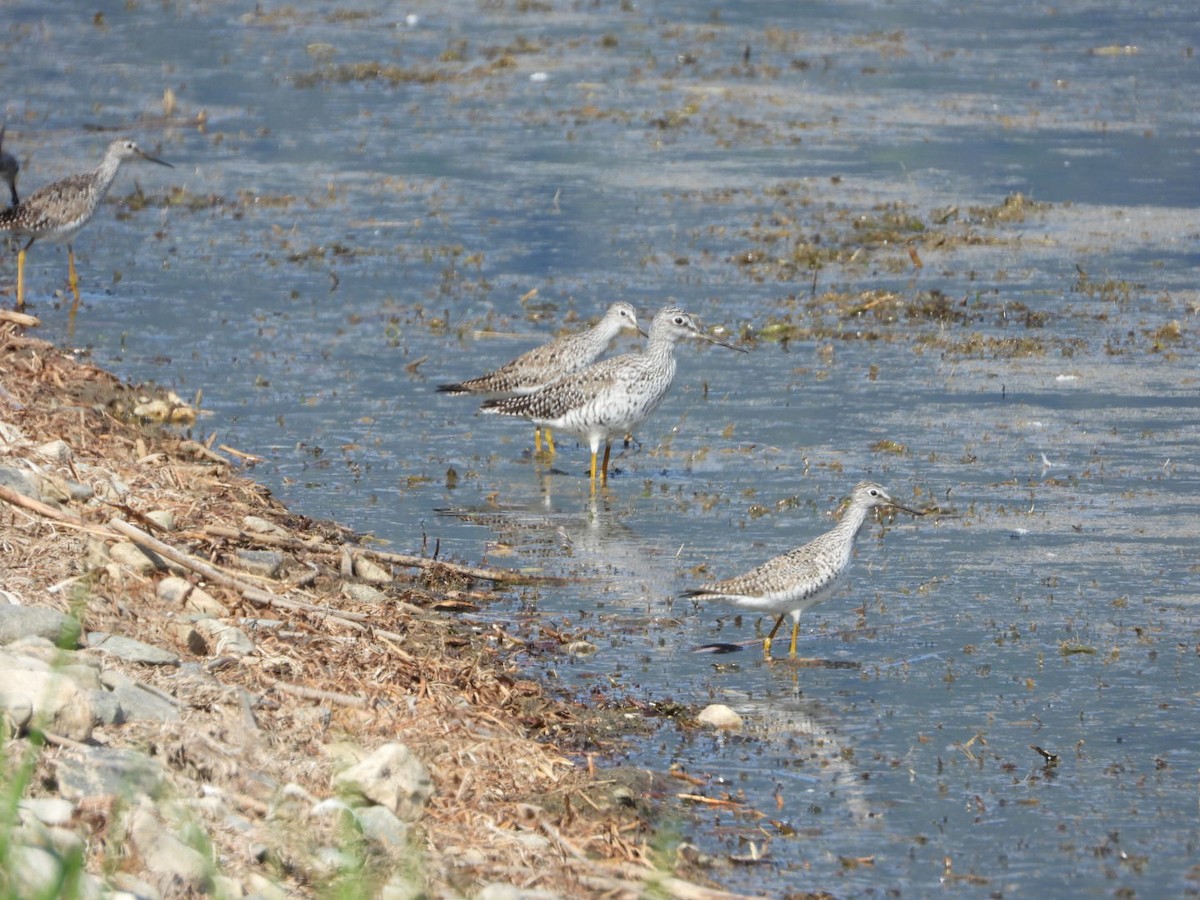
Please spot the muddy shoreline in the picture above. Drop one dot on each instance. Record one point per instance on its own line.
(290, 650)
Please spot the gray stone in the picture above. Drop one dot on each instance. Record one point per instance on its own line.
(363, 593)
(138, 703)
(24, 483)
(167, 856)
(267, 563)
(106, 709)
(57, 703)
(381, 827)
(130, 650)
(392, 777)
(79, 493)
(101, 771)
(25, 621)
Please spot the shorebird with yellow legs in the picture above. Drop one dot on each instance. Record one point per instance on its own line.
(613, 396)
(57, 211)
(801, 578)
(549, 362)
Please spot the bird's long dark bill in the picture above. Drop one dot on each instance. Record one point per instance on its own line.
(911, 512)
(720, 343)
(148, 158)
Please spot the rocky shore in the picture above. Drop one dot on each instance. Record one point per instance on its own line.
(202, 693)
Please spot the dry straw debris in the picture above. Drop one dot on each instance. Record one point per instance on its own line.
(337, 665)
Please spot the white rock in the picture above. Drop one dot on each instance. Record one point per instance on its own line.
(49, 810)
(718, 715)
(371, 571)
(163, 518)
(37, 871)
(224, 640)
(259, 525)
(392, 777)
(57, 450)
(58, 704)
(131, 556)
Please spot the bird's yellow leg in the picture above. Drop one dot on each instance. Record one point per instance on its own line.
(21, 278)
(72, 277)
(537, 440)
(770, 637)
(593, 471)
(604, 468)
(795, 631)
(550, 443)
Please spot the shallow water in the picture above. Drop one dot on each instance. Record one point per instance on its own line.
(345, 245)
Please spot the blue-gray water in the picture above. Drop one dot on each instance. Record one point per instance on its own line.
(351, 232)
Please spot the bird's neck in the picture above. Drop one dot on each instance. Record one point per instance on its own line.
(106, 172)
(853, 521)
(660, 349)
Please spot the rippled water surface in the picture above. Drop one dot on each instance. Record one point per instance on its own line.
(371, 200)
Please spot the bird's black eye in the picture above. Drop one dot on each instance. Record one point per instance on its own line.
(679, 320)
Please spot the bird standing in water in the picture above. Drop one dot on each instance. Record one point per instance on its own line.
(57, 211)
(801, 578)
(613, 396)
(544, 365)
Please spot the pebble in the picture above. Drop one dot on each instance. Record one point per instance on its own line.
(371, 571)
(267, 563)
(393, 777)
(129, 650)
(259, 525)
(718, 715)
(163, 518)
(363, 593)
